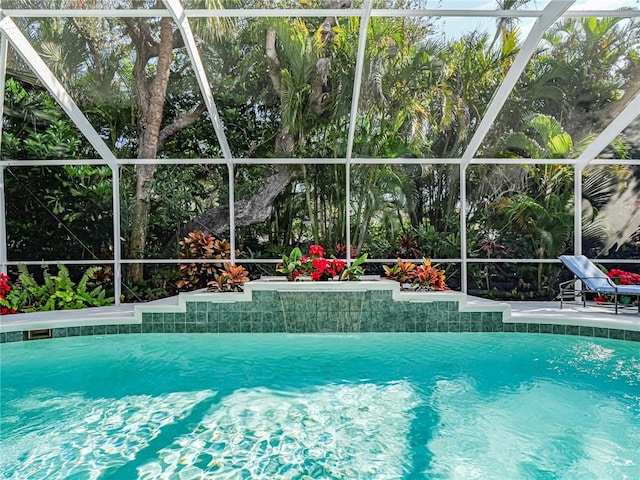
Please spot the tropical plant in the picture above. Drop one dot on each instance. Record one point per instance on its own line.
(545, 222)
(622, 277)
(291, 264)
(325, 269)
(354, 271)
(417, 277)
(230, 278)
(541, 213)
(429, 277)
(72, 203)
(317, 267)
(609, 218)
(197, 245)
(401, 271)
(619, 277)
(283, 88)
(542, 136)
(6, 306)
(57, 292)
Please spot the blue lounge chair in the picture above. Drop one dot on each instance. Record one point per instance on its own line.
(593, 280)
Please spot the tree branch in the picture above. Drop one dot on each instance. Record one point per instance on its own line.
(130, 27)
(158, 87)
(180, 123)
(249, 211)
(151, 45)
(272, 60)
(141, 44)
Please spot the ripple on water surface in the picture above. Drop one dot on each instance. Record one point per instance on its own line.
(371, 406)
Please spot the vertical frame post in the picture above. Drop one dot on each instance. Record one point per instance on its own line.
(4, 47)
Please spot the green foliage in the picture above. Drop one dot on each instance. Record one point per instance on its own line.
(36, 127)
(542, 136)
(424, 241)
(291, 264)
(72, 203)
(57, 292)
(422, 95)
(354, 271)
(160, 284)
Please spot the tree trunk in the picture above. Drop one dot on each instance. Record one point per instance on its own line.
(151, 97)
(139, 221)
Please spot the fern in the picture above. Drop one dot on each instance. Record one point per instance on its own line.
(88, 274)
(57, 292)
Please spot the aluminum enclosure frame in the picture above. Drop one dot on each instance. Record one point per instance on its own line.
(555, 9)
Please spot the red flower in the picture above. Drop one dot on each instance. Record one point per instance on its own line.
(622, 277)
(338, 265)
(320, 264)
(4, 284)
(599, 300)
(316, 251)
(316, 275)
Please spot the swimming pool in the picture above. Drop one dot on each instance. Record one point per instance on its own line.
(364, 406)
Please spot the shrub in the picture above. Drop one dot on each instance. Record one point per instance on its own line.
(197, 245)
(418, 277)
(230, 279)
(57, 292)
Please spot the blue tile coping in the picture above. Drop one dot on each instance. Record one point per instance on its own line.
(274, 305)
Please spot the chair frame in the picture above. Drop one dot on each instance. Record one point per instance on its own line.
(583, 291)
(612, 287)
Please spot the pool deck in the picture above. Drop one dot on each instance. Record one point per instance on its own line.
(572, 313)
(591, 315)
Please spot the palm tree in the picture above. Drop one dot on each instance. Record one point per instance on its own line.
(507, 25)
(544, 210)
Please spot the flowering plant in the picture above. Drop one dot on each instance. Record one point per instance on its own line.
(318, 267)
(5, 306)
(341, 251)
(621, 277)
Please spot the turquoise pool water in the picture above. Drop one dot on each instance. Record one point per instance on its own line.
(278, 406)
